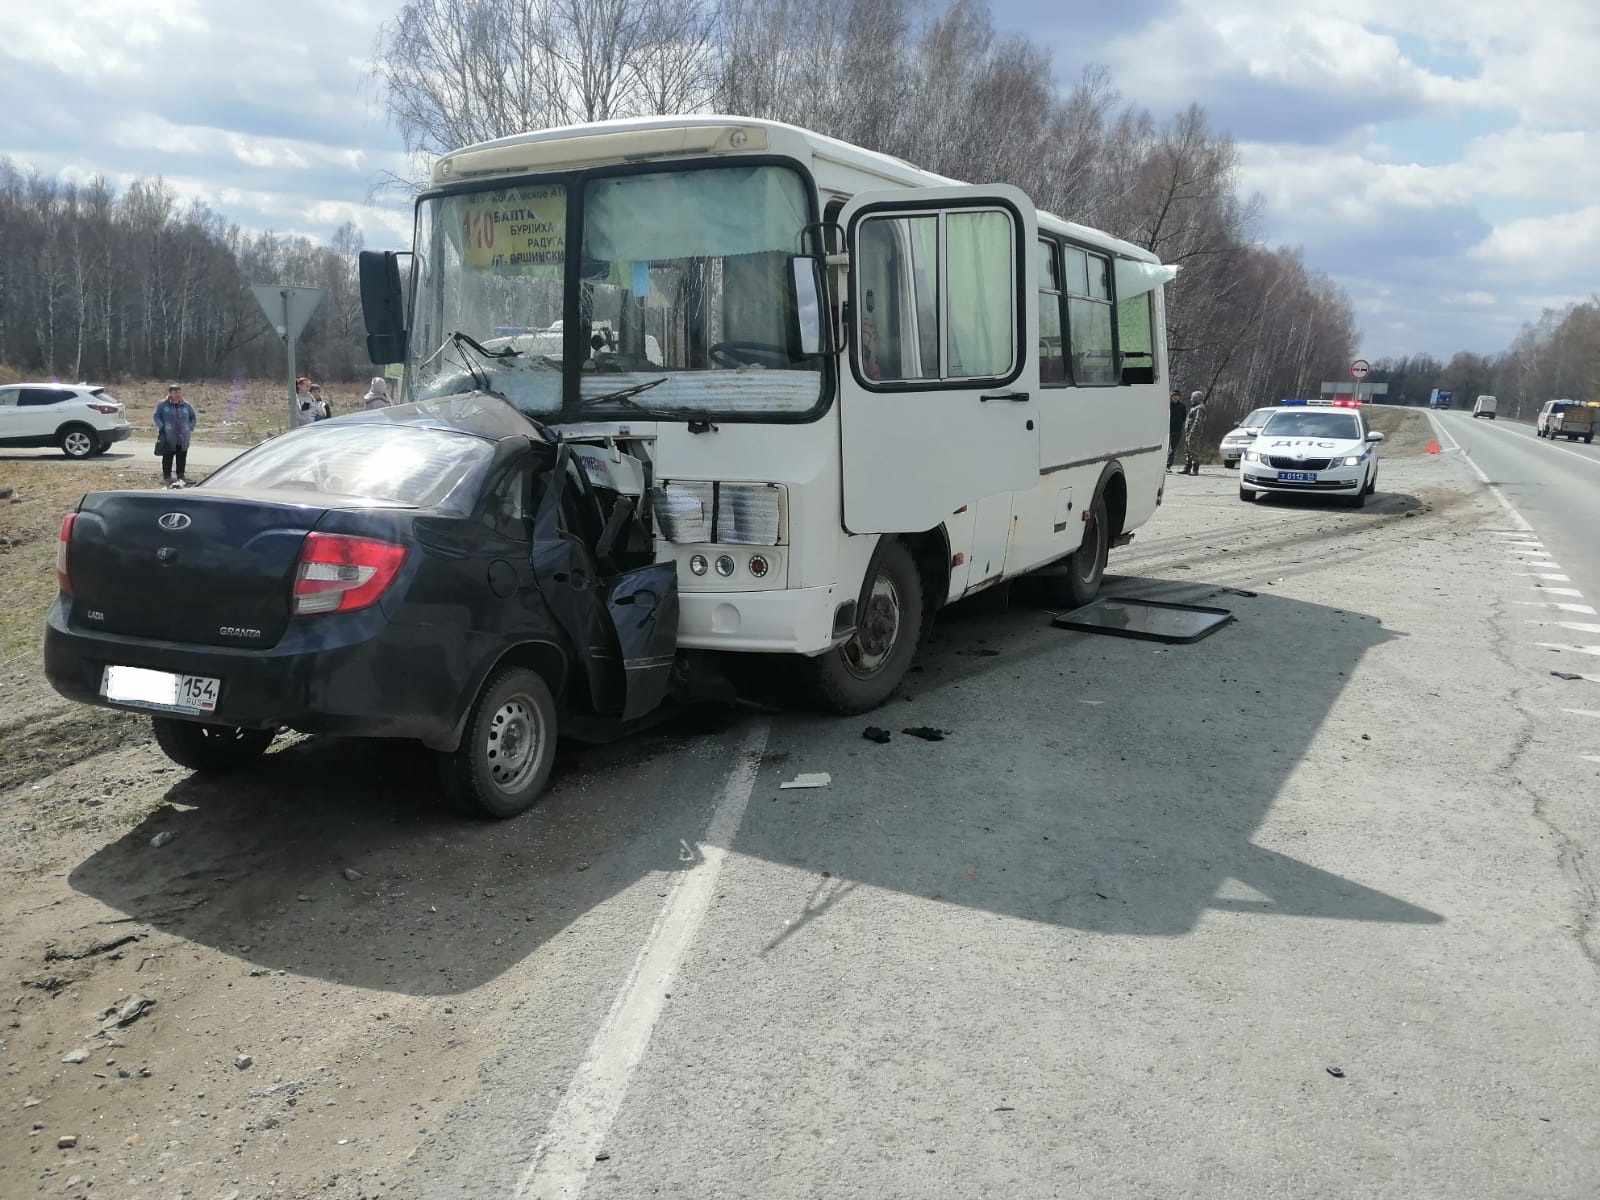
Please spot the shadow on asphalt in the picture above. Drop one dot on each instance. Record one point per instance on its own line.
(1134, 814)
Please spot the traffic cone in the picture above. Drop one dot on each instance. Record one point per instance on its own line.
(1433, 447)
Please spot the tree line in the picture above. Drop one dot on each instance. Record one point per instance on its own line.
(97, 286)
(1556, 357)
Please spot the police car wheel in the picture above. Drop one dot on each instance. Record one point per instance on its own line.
(1247, 495)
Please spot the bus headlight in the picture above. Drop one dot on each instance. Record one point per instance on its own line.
(748, 514)
(683, 511)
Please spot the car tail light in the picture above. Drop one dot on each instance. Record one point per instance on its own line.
(341, 574)
(63, 578)
(108, 409)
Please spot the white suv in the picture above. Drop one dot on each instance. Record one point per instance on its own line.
(81, 419)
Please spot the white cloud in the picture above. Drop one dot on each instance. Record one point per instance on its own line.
(1545, 249)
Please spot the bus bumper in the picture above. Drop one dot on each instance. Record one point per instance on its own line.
(788, 621)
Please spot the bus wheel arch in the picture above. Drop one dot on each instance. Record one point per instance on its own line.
(892, 616)
(1113, 489)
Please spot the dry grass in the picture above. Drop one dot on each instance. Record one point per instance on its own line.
(240, 413)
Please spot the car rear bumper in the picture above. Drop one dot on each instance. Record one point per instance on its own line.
(117, 433)
(378, 680)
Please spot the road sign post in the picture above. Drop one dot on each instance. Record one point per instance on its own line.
(288, 308)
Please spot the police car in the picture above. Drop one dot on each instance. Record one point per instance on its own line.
(1315, 447)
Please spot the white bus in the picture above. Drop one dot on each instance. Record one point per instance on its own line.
(859, 391)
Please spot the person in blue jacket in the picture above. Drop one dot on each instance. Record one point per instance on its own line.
(175, 421)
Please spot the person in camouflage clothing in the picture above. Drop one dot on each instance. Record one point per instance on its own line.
(1191, 433)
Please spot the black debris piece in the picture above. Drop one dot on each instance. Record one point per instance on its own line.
(1565, 675)
(927, 733)
(1336, 1072)
(873, 734)
(1150, 620)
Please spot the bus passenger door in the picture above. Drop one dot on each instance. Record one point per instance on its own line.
(939, 385)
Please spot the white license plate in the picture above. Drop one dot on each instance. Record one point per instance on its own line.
(161, 689)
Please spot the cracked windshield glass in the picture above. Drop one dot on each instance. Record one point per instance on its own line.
(683, 287)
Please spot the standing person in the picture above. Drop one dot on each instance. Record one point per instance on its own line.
(175, 422)
(319, 407)
(1177, 410)
(1191, 433)
(305, 410)
(377, 394)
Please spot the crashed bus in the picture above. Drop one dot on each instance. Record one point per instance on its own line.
(848, 391)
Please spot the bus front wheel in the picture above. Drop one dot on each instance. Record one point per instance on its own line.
(863, 673)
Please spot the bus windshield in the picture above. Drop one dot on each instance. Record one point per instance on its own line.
(682, 287)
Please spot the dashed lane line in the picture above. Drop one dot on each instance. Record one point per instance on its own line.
(1560, 606)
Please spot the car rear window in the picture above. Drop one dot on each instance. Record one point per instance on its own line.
(391, 464)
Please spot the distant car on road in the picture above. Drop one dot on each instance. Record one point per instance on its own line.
(1484, 406)
(1235, 441)
(81, 419)
(1315, 448)
(443, 571)
(1571, 419)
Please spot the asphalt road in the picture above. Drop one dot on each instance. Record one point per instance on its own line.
(1304, 909)
(1554, 484)
(202, 457)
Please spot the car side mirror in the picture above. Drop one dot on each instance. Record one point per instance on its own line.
(807, 337)
(383, 306)
(1374, 436)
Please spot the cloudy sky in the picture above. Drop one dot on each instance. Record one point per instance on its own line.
(1439, 158)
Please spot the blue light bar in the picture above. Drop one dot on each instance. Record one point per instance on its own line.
(1291, 401)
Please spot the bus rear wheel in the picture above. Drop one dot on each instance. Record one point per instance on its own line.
(861, 674)
(1085, 566)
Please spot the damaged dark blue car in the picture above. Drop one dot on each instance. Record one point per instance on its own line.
(448, 571)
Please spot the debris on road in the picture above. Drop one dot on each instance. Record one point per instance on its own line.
(75, 1056)
(816, 779)
(352, 874)
(120, 1018)
(66, 1141)
(873, 734)
(927, 733)
(244, 1062)
(1336, 1072)
(1565, 675)
(161, 839)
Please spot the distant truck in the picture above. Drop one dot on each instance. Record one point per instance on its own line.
(1440, 398)
(1571, 419)
(1484, 406)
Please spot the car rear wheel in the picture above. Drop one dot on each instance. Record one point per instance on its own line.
(863, 673)
(79, 441)
(212, 748)
(509, 746)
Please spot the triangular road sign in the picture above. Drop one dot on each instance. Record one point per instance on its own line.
(288, 308)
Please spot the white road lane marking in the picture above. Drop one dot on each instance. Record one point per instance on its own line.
(1509, 432)
(1575, 626)
(1590, 757)
(1518, 521)
(1552, 578)
(1583, 712)
(577, 1131)
(1559, 605)
(1595, 650)
(1550, 591)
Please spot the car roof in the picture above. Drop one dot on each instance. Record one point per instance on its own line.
(474, 413)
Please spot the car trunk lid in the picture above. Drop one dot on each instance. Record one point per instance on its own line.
(185, 566)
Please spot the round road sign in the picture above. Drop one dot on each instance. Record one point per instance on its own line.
(1360, 369)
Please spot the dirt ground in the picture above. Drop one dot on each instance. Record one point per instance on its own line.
(265, 985)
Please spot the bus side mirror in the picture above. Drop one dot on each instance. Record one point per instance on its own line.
(806, 334)
(383, 306)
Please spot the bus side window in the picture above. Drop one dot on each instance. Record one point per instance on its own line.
(1136, 343)
(1089, 318)
(1052, 354)
(897, 293)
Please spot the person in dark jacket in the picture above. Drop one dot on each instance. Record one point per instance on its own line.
(1177, 410)
(175, 420)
